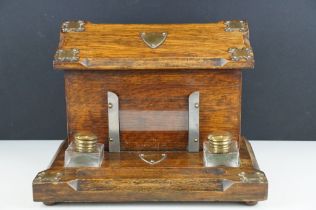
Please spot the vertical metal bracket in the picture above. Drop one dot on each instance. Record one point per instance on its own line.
(113, 122)
(194, 122)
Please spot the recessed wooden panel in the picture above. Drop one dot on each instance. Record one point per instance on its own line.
(153, 91)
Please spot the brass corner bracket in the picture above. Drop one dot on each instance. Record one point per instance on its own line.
(255, 177)
(73, 26)
(153, 39)
(48, 177)
(240, 54)
(236, 25)
(67, 55)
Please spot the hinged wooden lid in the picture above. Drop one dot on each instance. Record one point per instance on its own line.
(221, 45)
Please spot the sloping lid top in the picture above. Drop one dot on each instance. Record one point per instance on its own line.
(221, 45)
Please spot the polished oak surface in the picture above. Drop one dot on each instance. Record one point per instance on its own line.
(150, 95)
(153, 88)
(125, 177)
(187, 46)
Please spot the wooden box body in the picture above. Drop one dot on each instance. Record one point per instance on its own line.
(153, 84)
(148, 95)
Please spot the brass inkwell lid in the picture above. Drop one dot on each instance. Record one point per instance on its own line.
(85, 142)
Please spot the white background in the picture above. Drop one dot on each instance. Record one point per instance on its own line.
(289, 165)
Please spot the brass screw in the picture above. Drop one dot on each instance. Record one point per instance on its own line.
(85, 142)
(110, 105)
(220, 142)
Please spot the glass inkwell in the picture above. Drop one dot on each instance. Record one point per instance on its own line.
(220, 150)
(84, 151)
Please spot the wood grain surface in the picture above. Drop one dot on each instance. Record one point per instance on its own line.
(187, 46)
(124, 177)
(146, 91)
(154, 115)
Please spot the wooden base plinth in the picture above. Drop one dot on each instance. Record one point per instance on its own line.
(125, 177)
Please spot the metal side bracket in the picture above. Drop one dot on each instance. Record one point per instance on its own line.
(113, 122)
(194, 124)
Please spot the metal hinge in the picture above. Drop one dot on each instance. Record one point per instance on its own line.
(73, 26)
(67, 55)
(236, 25)
(240, 54)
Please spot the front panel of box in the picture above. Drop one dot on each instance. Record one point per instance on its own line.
(153, 105)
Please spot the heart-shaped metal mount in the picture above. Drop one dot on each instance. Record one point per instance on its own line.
(153, 39)
(152, 159)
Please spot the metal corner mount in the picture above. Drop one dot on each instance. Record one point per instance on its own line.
(240, 54)
(236, 25)
(153, 39)
(194, 122)
(67, 55)
(73, 26)
(48, 176)
(113, 122)
(255, 177)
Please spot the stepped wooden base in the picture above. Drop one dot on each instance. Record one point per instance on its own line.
(125, 177)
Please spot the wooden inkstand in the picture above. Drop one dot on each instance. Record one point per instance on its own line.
(153, 114)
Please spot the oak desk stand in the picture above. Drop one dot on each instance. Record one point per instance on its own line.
(153, 95)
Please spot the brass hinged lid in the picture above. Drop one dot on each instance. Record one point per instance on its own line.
(221, 45)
